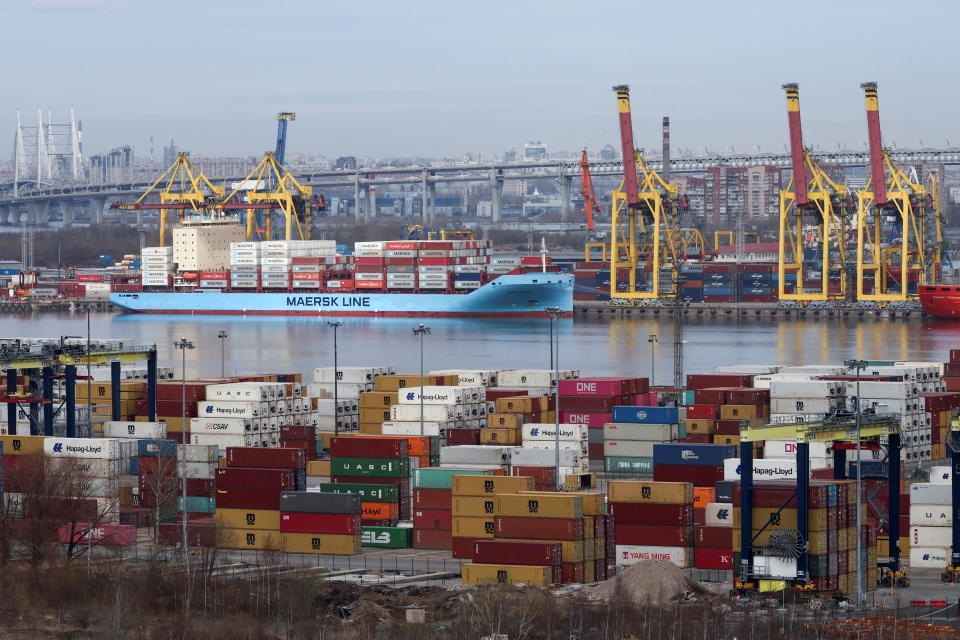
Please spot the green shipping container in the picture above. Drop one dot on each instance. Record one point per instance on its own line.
(442, 478)
(372, 467)
(619, 464)
(370, 492)
(386, 537)
(879, 363)
(686, 397)
(197, 504)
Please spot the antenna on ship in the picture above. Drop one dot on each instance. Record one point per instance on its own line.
(543, 253)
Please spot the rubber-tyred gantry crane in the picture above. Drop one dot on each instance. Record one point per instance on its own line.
(648, 206)
(811, 197)
(898, 224)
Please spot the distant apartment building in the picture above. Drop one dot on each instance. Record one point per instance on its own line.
(217, 168)
(346, 163)
(535, 150)
(116, 165)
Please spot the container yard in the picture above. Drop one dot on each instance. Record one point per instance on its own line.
(540, 477)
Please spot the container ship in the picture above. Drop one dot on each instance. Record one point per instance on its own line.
(210, 271)
(941, 301)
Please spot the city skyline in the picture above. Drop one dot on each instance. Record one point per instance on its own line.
(436, 81)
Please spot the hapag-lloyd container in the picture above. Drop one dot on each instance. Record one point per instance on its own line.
(763, 469)
(548, 431)
(929, 557)
(228, 409)
(84, 447)
(928, 493)
(718, 514)
(711, 455)
(645, 415)
(627, 554)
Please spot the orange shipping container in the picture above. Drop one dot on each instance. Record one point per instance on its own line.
(702, 496)
(380, 511)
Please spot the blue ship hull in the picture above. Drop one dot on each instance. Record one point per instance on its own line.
(515, 295)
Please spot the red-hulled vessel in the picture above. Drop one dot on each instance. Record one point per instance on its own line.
(941, 300)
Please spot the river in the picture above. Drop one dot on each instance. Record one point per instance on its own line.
(595, 346)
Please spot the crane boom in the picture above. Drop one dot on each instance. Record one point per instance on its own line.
(626, 142)
(282, 119)
(796, 144)
(876, 143)
(589, 195)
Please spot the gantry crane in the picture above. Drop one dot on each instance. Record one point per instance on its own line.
(282, 119)
(270, 186)
(648, 206)
(182, 188)
(595, 240)
(811, 197)
(898, 224)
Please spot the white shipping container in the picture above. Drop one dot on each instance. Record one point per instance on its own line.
(628, 554)
(940, 475)
(343, 389)
(931, 515)
(525, 378)
(431, 412)
(529, 457)
(432, 395)
(931, 536)
(244, 391)
(806, 388)
(227, 409)
(224, 440)
(805, 405)
(535, 431)
(718, 514)
(433, 429)
(773, 567)
(929, 557)
(470, 378)
(884, 390)
(353, 375)
(628, 448)
(198, 453)
(628, 431)
(140, 430)
(928, 493)
(97, 467)
(232, 426)
(82, 447)
(579, 446)
(763, 469)
(479, 454)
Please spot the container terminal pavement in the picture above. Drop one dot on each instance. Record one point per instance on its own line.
(533, 476)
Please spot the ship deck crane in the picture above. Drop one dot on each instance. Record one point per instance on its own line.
(183, 188)
(899, 235)
(648, 206)
(811, 197)
(270, 186)
(595, 240)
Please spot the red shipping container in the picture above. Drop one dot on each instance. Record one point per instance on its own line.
(771, 495)
(954, 355)
(89, 277)
(457, 437)
(591, 419)
(298, 432)
(433, 519)
(699, 476)
(264, 458)
(368, 262)
(538, 528)
(572, 572)
(114, 535)
(432, 498)
(655, 535)
(952, 383)
(462, 548)
(748, 396)
(595, 451)
(697, 438)
(604, 387)
(332, 523)
(434, 262)
(151, 464)
(347, 447)
(590, 404)
(432, 539)
(248, 499)
(269, 479)
(639, 513)
(495, 393)
(199, 487)
(545, 478)
(710, 396)
(699, 515)
(540, 554)
(729, 427)
(709, 380)
(199, 535)
(703, 412)
(713, 558)
(715, 537)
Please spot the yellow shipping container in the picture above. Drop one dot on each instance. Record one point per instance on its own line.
(328, 544)
(700, 426)
(517, 404)
(589, 572)
(371, 427)
(318, 468)
(21, 445)
(579, 481)
(589, 528)
(599, 548)
(487, 485)
(542, 505)
(103, 390)
(475, 574)
(650, 492)
(399, 381)
(499, 436)
(249, 539)
(740, 412)
(474, 506)
(260, 519)
(774, 517)
(325, 439)
(507, 420)
(593, 501)
(378, 399)
(726, 439)
(939, 451)
(464, 527)
(378, 415)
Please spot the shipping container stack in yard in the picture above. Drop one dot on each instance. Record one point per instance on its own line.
(629, 437)
(433, 504)
(375, 461)
(654, 521)
(590, 401)
(474, 502)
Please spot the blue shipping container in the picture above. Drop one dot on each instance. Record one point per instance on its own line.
(646, 415)
(157, 448)
(694, 455)
(716, 291)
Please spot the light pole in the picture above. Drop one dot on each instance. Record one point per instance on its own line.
(653, 340)
(183, 344)
(336, 377)
(858, 366)
(421, 331)
(555, 365)
(222, 336)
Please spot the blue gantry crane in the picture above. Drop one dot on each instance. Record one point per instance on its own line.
(282, 119)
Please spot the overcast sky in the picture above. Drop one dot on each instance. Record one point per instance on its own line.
(443, 78)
